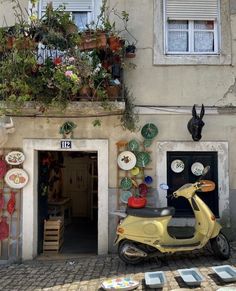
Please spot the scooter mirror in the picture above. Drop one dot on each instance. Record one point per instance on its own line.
(164, 186)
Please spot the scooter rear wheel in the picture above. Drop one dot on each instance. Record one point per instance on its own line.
(125, 258)
(220, 246)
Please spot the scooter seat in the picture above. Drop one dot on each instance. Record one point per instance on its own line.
(151, 212)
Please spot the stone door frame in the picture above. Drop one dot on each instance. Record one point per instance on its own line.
(30, 192)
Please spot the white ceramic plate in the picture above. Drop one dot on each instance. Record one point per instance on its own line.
(15, 158)
(126, 160)
(16, 178)
(197, 169)
(177, 166)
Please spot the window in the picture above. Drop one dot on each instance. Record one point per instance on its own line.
(191, 27)
(191, 36)
(83, 12)
(188, 32)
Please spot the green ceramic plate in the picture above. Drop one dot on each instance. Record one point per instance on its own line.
(126, 183)
(143, 159)
(149, 131)
(147, 143)
(133, 145)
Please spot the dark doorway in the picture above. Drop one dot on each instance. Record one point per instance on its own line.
(68, 188)
(176, 180)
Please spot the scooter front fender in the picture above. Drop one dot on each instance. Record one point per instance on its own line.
(216, 229)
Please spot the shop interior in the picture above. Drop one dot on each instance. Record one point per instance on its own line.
(68, 191)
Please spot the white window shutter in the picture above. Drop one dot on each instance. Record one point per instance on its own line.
(191, 9)
(70, 5)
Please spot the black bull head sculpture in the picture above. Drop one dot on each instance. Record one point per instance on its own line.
(196, 124)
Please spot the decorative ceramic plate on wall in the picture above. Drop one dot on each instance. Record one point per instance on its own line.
(125, 196)
(149, 131)
(15, 158)
(126, 183)
(177, 166)
(16, 178)
(126, 160)
(143, 158)
(197, 169)
(133, 145)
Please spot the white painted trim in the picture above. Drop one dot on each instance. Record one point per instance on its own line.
(223, 174)
(30, 193)
(179, 110)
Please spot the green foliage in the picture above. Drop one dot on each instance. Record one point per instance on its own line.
(129, 120)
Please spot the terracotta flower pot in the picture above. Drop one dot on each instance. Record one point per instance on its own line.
(92, 40)
(115, 43)
(113, 91)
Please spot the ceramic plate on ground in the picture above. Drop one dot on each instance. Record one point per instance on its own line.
(177, 166)
(15, 158)
(143, 158)
(120, 284)
(126, 160)
(126, 183)
(197, 169)
(225, 272)
(125, 196)
(149, 131)
(16, 178)
(133, 145)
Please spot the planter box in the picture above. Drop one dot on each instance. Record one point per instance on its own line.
(92, 40)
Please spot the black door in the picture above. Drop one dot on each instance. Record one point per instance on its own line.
(176, 180)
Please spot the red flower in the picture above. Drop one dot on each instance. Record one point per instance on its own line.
(57, 61)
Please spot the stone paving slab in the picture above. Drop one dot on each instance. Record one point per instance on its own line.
(86, 273)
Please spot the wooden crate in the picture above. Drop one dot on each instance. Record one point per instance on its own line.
(53, 235)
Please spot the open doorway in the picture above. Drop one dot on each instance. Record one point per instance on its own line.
(68, 188)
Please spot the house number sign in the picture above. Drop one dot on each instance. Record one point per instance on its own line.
(66, 144)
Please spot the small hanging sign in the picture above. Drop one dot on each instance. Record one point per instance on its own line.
(66, 144)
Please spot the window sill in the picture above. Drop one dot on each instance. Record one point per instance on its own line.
(161, 59)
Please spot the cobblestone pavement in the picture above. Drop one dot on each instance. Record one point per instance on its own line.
(86, 273)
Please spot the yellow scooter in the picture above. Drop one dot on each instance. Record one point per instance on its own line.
(143, 233)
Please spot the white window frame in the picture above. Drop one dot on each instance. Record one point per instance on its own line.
(191, 31)
(224, 56)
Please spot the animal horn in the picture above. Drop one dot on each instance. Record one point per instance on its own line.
(202, 112)
(194, 113)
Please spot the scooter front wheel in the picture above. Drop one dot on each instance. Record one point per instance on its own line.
(220, 246)
(122, 252)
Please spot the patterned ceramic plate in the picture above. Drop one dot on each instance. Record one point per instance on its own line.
(177, 166)
(126, 183)
(120, 284)
(197, 169)
(16, 178)
(133, 145)
(149, 131)
(143, 158)
(15, 158)
(126, 160)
